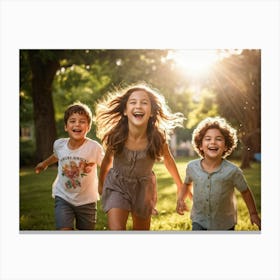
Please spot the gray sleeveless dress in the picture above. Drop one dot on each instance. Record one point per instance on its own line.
(131, 184)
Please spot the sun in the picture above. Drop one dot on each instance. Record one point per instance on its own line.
(194, 62)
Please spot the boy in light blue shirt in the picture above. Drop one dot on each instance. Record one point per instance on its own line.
(211, 180)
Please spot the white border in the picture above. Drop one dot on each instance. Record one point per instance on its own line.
(139, 24)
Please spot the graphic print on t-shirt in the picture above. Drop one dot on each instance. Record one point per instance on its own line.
(74, 169)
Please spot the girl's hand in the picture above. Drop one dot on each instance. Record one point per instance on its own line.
(255, 219)
(181, 207)
(100, 188)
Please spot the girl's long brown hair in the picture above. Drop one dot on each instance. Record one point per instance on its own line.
(112, 125)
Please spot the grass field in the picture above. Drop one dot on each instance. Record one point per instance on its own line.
(37, 205)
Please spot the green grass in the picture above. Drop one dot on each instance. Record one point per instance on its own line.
(37, 205)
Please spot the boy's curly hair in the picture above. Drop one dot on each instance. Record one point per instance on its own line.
(225, 128)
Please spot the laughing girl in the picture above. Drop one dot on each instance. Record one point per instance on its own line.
(134, 125)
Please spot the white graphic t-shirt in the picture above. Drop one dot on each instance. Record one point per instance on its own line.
(77, 180)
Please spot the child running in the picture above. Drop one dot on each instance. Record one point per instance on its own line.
(214, 178)
(76, 186)
(134, 124)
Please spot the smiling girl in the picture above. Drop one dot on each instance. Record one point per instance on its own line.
(134, 124)
(213, 179)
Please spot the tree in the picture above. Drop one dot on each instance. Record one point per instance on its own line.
(233, 91)
(68, 75)
(39, 68)
(238, 87)
(43, 67)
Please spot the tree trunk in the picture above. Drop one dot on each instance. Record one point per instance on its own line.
(246, 157)
(43, 72)
(252, 145)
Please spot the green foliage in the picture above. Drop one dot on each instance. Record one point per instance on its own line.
(27, 150)
(37, 206)
(86, 75)
(205, 106)
(183, 134)
(103, 70)
(238, 91)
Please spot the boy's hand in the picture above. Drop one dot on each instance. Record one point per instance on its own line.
(181, 207)
(40, 167)
(88, 167)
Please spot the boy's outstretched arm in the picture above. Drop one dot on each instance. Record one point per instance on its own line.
(105, 166)
(250, 203)
(45, 163)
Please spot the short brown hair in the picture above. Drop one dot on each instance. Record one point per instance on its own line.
(79, 108)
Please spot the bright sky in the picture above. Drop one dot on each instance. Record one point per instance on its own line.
(195, 62)
(198, 62)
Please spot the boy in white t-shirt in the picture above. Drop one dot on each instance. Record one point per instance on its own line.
(75, 187)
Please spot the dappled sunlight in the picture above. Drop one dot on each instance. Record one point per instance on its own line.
(36, 204)
(25, 172)
(169, 191)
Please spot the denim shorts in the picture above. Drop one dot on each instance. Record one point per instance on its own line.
(196, 226)
(81, 217)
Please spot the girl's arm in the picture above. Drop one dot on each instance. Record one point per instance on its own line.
(186, 191)
(250, 203)
(45, 163)
(105, 167)
(171, 167)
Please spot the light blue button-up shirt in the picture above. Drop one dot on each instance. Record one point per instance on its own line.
(214, 201)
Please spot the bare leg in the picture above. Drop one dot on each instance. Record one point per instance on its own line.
(117, 219)
(140, 223)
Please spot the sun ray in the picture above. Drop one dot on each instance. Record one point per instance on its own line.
(195, 62)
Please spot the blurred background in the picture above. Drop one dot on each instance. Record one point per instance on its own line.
(198, 83)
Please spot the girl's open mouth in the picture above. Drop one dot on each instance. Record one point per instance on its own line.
(138, 115)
